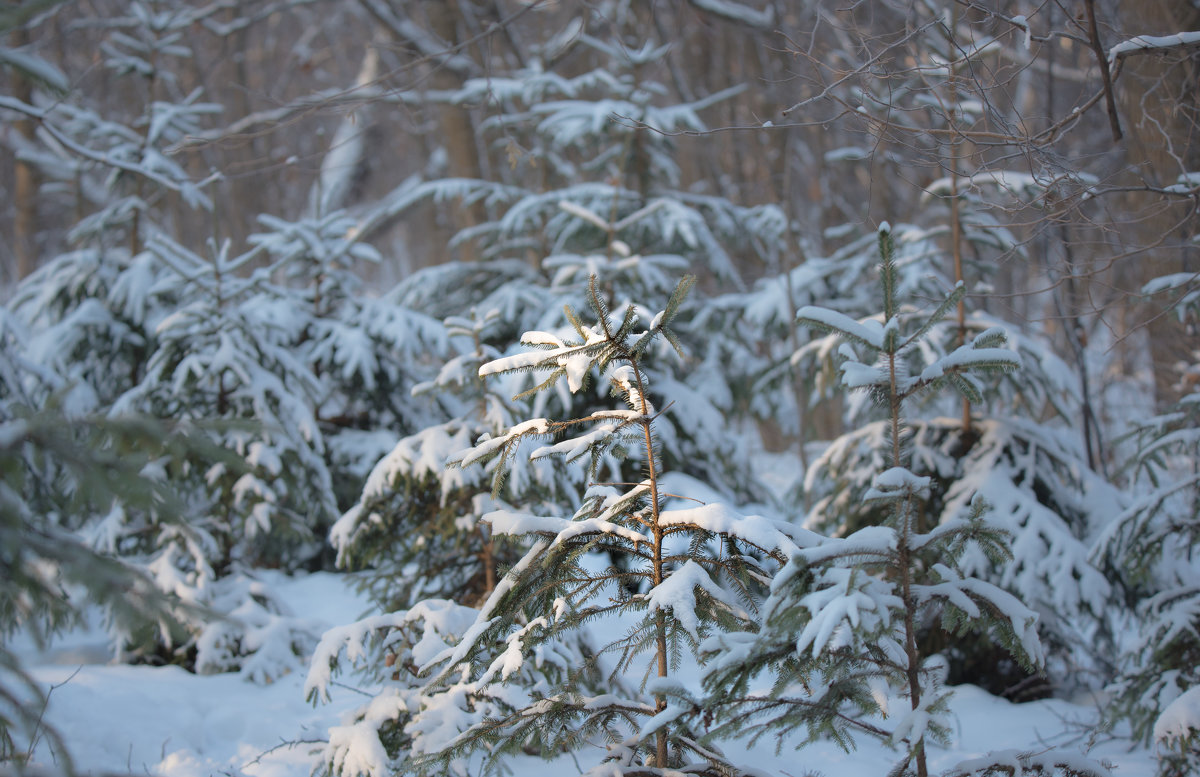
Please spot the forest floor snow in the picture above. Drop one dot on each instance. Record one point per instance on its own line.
(166, 721)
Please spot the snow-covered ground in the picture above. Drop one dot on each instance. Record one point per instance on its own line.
(166, 721)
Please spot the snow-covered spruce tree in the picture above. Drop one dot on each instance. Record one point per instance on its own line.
(637, 240)
(686, 572)
(1027, 464)
(365, 352)
(222, 362)
(1041, 493)
(1033, 450)
(839, 642)
(1022, 450)
(426, 558)
(1150, 551)
(1020, 453)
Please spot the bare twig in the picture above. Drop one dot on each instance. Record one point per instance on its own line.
(38, 729)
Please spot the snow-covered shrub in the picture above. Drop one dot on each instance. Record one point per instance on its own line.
(256, 634)
(197, 342)
(262, 495)
(366, 353)
(90, 317)
(222, 359)
(1041, 492)
(1150, 550)
(839, 640)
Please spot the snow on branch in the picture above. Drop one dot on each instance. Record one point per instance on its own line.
(1142, 44)
(967, 357)
(574, 360)
(968, 593)
(677, 594)
(485, 448)
(1180, 719)
(763, 533)
(736, 12)
(850, 598)
(868, 332)
(433, 621)
(512, 523)
(36, 69)
(1013, 762)
(189, 190)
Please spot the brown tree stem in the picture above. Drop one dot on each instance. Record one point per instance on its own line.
(1114, 121)
(660, 625)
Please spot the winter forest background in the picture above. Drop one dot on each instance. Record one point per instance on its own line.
(679, 387)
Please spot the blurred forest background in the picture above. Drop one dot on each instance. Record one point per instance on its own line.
(335, 105)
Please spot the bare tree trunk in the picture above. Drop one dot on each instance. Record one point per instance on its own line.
(243, 190)
(25, 177)
(954, 155)
(456, 128)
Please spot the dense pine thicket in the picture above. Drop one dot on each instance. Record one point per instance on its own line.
(662, 434)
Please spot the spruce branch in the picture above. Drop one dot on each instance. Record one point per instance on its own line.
(951, 301)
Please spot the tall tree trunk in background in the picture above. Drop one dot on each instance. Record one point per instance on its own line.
(25, 179)
(234, 213)
(1159, 98)
(456, 128)
(432, 34)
